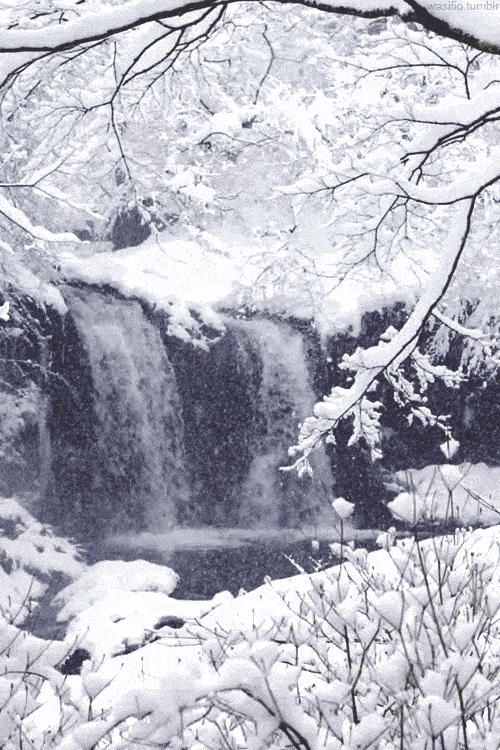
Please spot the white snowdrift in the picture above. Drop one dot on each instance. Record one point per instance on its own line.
(176, 277)
(113, 577)
(463, 494)
(31, 553)
(209, 273)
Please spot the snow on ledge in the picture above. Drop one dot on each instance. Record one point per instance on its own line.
(184, 276)
(177, 277)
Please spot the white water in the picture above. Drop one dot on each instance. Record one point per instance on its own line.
(140, 442)
(270, 497)
(139, 471)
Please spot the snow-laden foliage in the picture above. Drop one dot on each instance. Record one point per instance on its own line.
(396, 647)
(345, 154)
(464, 494)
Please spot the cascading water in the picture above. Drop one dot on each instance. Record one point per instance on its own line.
(268, 496)
(165, 450)
(172, 435)
(138, 456)
(150, 445)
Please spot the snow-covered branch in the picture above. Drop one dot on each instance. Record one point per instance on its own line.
(474, 24)
(370, 364)
(454, 325)
(480, 29)
(19, 218)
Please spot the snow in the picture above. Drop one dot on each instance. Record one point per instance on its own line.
(159, 270)
(121, 621)
(19, 218)
(4, 311)
(343, 508)
(90, 26)
(113, 577)
(233, 643)
(453, 111)
(435, 714)
(173, 276)
(449, 448)
(267, 642)
(25, 281)
(479, 20)
(211, 272)
(30, 555)
(471, 182)
(157, 678)
(407, 507)
(114, 606)
(273, 599)
(96, 25)
(33, 545)
(464, 493)
(369, 364)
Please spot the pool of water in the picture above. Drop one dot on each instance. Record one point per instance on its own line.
(209, 560)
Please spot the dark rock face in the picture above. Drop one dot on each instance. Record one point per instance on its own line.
(129, 229)
(134, 224)
(218, 389)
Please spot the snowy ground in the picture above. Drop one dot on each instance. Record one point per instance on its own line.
(117, 622)
(147, 649)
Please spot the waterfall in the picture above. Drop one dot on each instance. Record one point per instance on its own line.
(151, 433)
(268, 496)
(138, 456)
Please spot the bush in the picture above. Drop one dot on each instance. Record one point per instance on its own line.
(397, 648)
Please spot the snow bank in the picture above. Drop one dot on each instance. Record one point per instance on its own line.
(24, 281)
(27, 542)
(113, 577)
(177, 276)
(123, 621)
(30, 553)
(210, 272)
(467, 494)
(116, 606)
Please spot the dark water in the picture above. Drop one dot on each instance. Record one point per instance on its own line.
(212, 560)
(208, 561)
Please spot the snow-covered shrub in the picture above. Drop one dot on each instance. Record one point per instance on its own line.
(395, 648)
(29, 555)
(459, 494)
